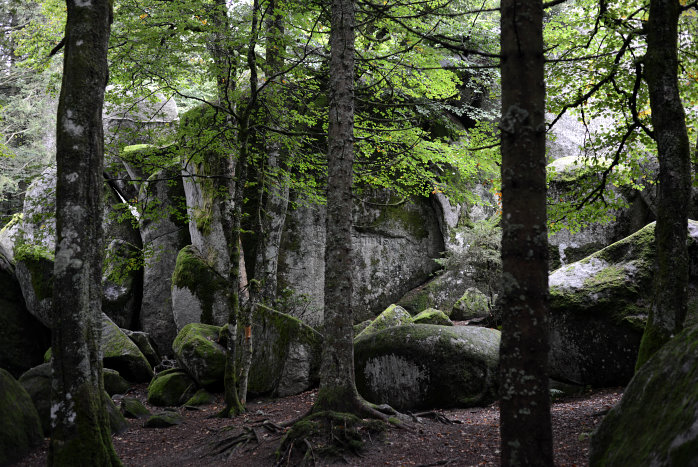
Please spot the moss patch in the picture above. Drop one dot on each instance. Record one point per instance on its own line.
(20, 429)
(171, 389)
(194, 273)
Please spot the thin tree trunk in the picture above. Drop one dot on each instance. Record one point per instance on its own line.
(525, 400)
(337, 385)
(669, 306)
(81, 434)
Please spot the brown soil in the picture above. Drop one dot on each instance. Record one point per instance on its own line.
(472, 438)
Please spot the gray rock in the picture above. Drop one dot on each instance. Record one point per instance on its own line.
(34, 270)
(20, 429)
(38, 214)
(9, 234)
(199, 293)
(432, 316)
(164, 233)
(121, 286)
(23, 339)
(442, 292)
(121, 354)
(599, 306)
(286, 354)
(655, 421)
(428, 366)
(133, 408)
(37, 383)
(143, 342)
(114, 383)
(394, 244)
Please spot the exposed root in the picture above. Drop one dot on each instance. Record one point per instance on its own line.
(242, 437)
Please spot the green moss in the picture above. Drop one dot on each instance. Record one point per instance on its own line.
(394, 315)
(404, 215)
(39, 262)
(20, 429)
(197, 349)
(133, 408)
(432, 316)
(194, 273)
(170, 389)
(201, 397)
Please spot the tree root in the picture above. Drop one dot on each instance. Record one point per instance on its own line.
(224, 448)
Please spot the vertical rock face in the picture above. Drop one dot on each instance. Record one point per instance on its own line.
(164, 231)
(395, 243)
(23, 339)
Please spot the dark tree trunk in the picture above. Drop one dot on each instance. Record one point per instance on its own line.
(525, 400)
(673, 149)
(81, 434)
(337, 385)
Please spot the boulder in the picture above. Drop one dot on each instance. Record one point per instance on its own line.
(122, 283)
(432, 316)
(165, 233)
(121, 354)
(394, 315)
(199, 293)
(599, 306)
(23, 339)
(37, 383)
(114, 383)
(34, 268)
(9, 234)
(441, 292)
(198, 352)
(133, 408)
(471, 305)
(200, 397)
(655, 421)
(163, 420)
(38, 214)
(428, 366)
(394, 244)
(286, 354)
(142, 340)
(171, 388)
(20, 430)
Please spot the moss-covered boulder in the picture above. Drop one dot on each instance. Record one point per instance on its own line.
(394, 315)
(114, 383)
(598, 309)
(133, 408)
(121, 354)
(471, 305)
(655, 421)
(428, 366)
(37, 383)
(171, 388)
(286, 354)
(23, 339)
(20, 429)
(432, 316)
(201, 397)
(198, 352)
(145, 344)
(198, 291)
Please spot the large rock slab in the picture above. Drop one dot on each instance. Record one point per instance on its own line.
(655, 421)
(599, 306)
(34, 268)
(428, 366)
(395, 242)
(20, 429)
(23, 339)
(199, 292)
(285, 356)
(121, 354)
(164, 230)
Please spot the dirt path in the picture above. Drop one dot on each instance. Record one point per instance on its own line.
(472, 440)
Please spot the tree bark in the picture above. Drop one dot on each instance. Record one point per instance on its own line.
(525, 399)
(81, 434)
(669, 306)
(337, 384)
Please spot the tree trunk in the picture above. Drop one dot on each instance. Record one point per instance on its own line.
(337, 385)
(81, 434)
(525, 399)
(669, 306)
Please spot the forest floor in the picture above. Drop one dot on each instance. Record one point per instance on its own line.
(472, 437)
